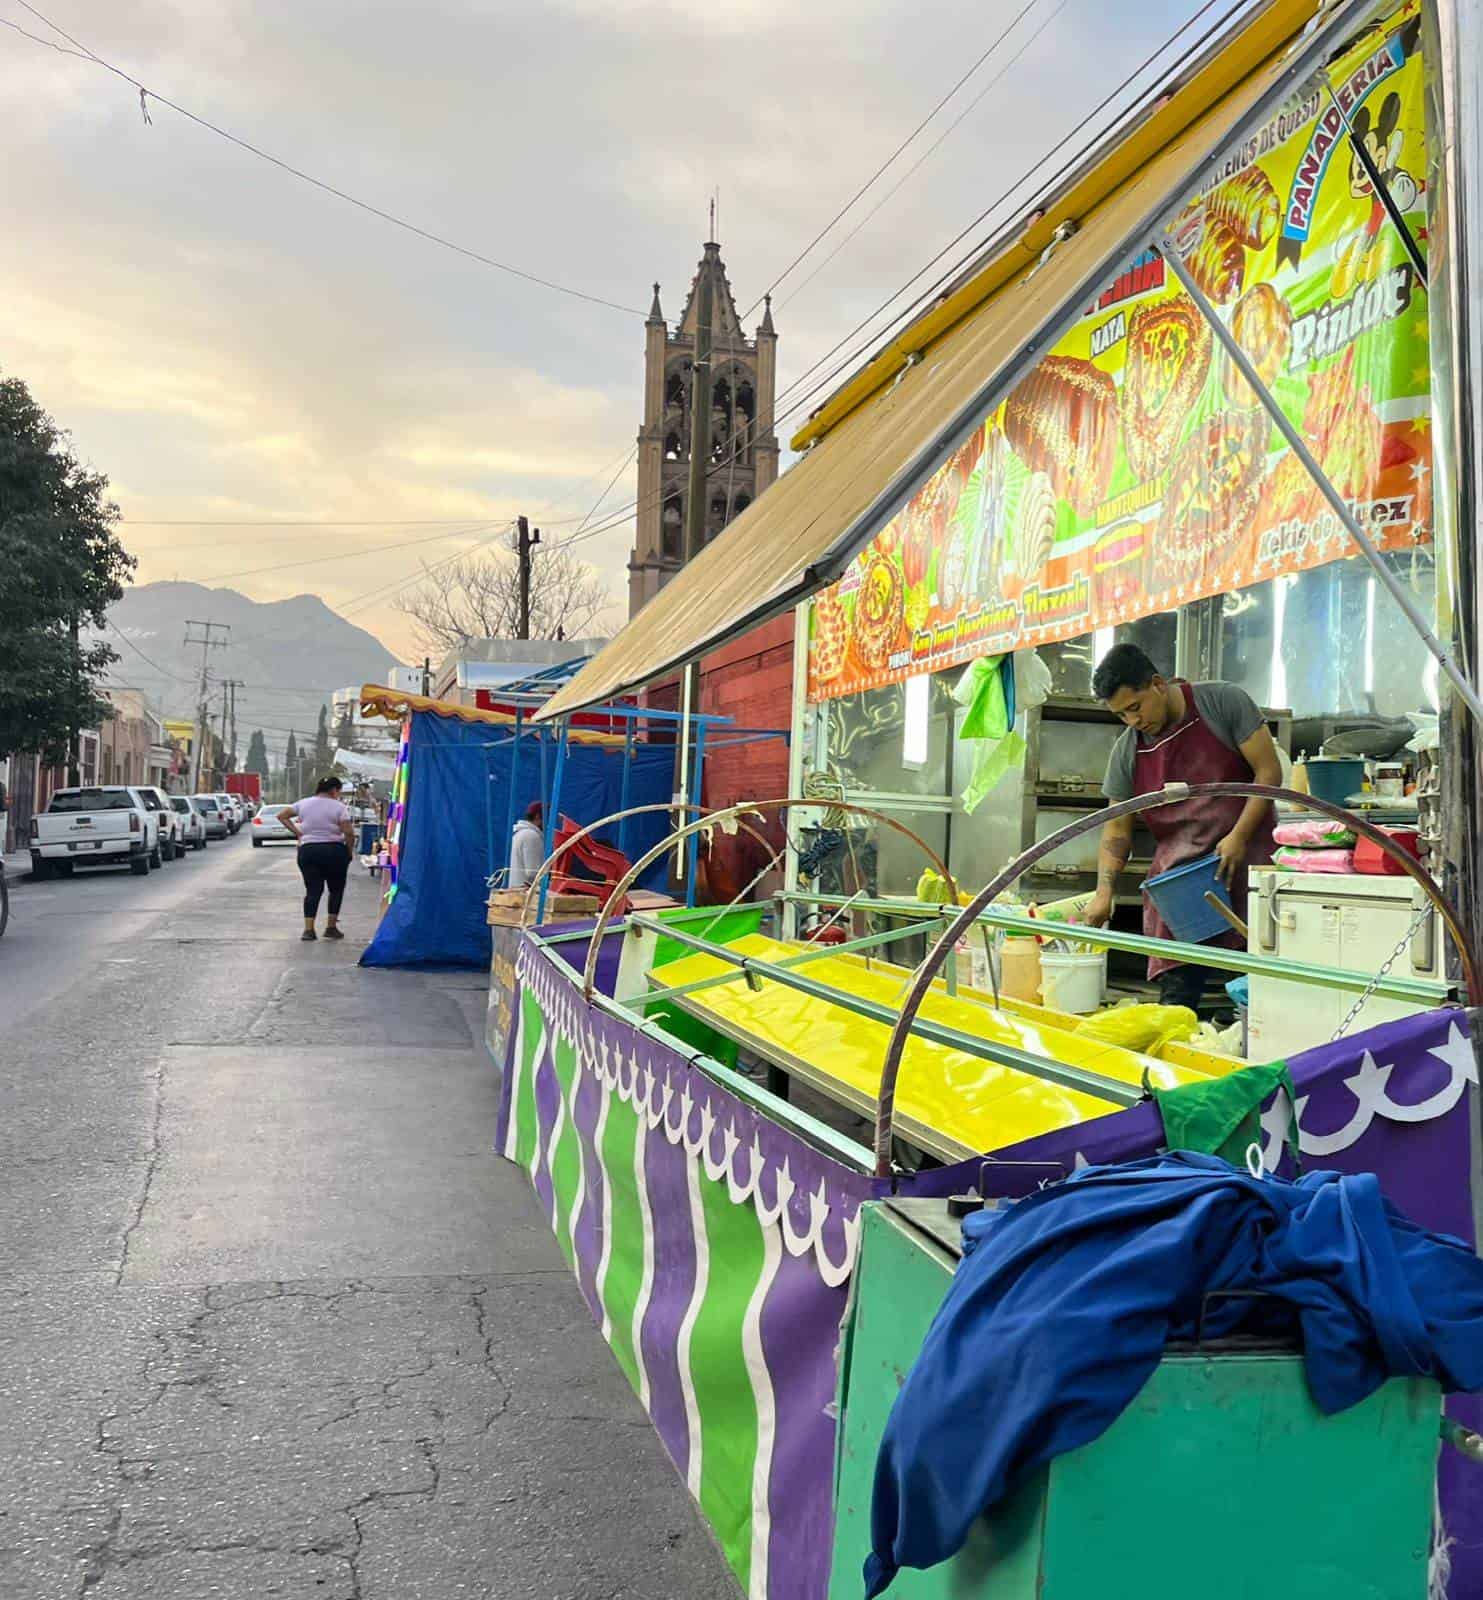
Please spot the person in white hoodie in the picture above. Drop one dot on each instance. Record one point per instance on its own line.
(527, 846)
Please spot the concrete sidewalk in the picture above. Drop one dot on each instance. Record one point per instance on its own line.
(278, 1322)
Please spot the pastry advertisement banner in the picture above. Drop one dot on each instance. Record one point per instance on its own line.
(1132, 471)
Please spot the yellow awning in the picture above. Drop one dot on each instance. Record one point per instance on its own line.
(886, 431)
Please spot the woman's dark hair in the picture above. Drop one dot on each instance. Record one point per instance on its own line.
(1124, 666)
(329, 785)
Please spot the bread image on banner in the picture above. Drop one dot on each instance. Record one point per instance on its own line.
(879, 614)
(1062, 421)
(1212, 492)
(1168, 357)
(1262, 325)
(1248, 206)
(1117, 567)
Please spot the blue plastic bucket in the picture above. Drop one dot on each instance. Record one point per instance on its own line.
(1179, 897)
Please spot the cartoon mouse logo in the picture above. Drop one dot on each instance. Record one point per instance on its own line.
(1365, 256)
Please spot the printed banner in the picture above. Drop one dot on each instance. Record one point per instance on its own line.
(1133, 471)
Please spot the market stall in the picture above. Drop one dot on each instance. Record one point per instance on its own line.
(1213, 399)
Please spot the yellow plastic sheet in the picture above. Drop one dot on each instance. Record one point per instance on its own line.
(967, 1102)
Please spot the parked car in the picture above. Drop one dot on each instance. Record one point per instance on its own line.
(266, 827)
(96, 826)
(192, 822)
(231, 809)
(212, 815)
(159, 802)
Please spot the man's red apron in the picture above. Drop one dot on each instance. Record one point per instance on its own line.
(1187, 829)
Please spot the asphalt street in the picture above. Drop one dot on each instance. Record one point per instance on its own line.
(276, 1321)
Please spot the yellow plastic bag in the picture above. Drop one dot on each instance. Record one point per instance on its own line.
(1142, 1027)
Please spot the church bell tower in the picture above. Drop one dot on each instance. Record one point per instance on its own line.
(744, 448)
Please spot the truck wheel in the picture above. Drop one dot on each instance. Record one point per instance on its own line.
(202, 842)
(154, 857)
(40, 869)
(257, 844)
(139, 866)
(63, 869)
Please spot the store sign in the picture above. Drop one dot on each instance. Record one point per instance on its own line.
(1132, 471)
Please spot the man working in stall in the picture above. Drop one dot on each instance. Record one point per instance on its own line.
(1180, 732)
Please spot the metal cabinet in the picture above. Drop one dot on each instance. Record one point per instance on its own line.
(1222, 1453)
(1353, 921)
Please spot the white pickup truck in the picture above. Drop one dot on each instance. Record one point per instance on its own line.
(95, 827)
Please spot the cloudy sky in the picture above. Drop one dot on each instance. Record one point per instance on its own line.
(230, 344)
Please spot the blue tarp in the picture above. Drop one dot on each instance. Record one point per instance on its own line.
(456, 832)
(1063, 1303)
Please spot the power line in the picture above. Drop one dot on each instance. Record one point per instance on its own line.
(342, 555)
(880, 170)
(930, 151)
(146, 94)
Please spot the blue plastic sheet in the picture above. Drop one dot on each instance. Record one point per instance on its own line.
(456, 832)
(1062, 1306)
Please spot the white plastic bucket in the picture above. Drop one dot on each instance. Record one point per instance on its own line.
(1075, 981)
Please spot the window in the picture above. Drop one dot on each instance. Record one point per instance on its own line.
(92, 800)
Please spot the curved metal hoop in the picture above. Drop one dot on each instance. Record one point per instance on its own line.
(616, 898)
(549, 863)
(929, 969)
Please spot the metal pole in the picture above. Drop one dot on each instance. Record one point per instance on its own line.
(514, 783)
(692, 844)
(1393, 586)
(554, 809)
(626, 785)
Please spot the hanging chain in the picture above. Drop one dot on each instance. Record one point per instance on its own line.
(1367, 993)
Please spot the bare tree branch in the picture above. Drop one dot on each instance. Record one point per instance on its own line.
(478, 597)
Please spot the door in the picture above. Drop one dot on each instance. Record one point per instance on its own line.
(1285, 1016)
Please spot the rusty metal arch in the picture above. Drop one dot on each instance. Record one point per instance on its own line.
(605, 915)
(549, 863)
(927, 972)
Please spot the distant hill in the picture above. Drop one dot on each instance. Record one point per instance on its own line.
(291, 654)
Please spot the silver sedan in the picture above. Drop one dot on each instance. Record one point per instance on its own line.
(266, 827)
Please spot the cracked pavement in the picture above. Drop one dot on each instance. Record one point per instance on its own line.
(277, 1322)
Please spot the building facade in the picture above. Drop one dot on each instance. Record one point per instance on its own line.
(743, 448)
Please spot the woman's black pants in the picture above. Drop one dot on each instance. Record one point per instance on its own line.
(323, 866)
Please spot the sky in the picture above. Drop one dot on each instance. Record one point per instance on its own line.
(231, 345)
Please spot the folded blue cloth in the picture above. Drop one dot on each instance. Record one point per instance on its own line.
(1063, 1304)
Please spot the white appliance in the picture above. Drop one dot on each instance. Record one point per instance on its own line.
(1349, 920)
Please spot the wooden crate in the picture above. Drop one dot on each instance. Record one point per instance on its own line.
(506, 905)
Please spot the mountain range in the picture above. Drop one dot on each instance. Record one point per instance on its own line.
(290, 655)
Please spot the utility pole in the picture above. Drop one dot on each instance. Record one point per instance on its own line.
(695, 507)
(427, 675)
(207, 644)
(525, 541)
(232, 685)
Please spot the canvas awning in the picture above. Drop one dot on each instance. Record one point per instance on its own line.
(888, 429)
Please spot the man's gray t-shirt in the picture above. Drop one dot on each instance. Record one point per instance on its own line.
(1230, 714)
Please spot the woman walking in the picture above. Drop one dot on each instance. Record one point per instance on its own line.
(324, 830)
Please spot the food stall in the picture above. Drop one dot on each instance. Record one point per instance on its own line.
(1214, 397)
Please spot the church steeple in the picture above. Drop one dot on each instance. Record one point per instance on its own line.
(744, 449)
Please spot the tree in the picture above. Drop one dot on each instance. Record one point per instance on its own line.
(60, 569)
(478, 597)
(257, 757)
(323, 752)
(291, 764)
